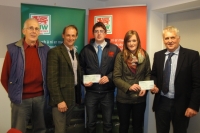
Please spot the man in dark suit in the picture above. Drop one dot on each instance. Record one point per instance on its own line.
(177, 91)
(63, 79)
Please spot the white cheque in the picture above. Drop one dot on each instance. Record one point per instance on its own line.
(94, 78)
(146, 85)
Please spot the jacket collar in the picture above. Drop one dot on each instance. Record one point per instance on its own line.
(92, 41)
(20, 43)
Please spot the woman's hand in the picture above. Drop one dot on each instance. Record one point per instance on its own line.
(142, 93)
(135, 87)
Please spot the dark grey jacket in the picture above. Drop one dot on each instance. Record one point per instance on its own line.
(60, 77)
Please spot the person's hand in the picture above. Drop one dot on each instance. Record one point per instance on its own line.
(88, 84)
(190, 112)
(135, 87)
(154, 89)
(62, 106)
(142, 93)
(104, 80)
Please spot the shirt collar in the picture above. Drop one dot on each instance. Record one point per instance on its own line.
(26, 45)
(103, 44)
(176, 52)
(74, 48)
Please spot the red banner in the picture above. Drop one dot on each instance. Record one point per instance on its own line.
(118, 21)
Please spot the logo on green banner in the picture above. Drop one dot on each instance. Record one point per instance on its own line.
(44, 21)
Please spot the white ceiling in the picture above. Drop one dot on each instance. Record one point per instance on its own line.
(181, 7)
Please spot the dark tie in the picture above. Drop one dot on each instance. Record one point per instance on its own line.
(72, 53)
(166, 74)
(99, 54)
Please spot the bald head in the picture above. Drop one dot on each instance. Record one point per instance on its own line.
(30, 20)
(31, 31)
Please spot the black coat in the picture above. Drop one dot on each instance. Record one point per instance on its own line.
(89, 65)
(187, 79)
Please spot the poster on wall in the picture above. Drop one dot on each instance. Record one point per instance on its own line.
(52, 21)
(119, 20)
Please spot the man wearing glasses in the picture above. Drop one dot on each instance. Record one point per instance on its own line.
(98, 57)
(24, 78)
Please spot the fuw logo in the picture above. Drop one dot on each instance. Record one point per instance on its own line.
(44, 21)
(107, 20)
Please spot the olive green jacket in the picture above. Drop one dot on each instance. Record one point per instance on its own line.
(60, 77)
(124, 79)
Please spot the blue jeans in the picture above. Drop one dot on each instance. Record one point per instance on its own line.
(106, 102)
(167, 113)
(32, 108)
(134, 111)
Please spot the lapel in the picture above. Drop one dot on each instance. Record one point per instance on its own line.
(91, 47)
(65, 54)
(181, 57)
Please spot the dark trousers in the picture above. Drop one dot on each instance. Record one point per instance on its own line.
(106, 102)
(166, 113)
(62, 119)
(31, 108)
(125, 111)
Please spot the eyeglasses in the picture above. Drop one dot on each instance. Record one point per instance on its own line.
(99, 31)
(32, 29)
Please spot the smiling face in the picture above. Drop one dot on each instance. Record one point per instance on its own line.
(69, 37)
(132, 43)
(31, 31)
(171, 40)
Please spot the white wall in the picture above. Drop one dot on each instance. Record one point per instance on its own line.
(9, 27)
(9, 32)
(5, 115)
(188, 23)
(83, 4)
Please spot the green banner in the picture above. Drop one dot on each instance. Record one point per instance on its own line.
(52, 20)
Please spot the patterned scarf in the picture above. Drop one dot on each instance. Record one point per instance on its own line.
(134, 60)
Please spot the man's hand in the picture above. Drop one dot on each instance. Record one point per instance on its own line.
(104, 80)
(154, 89)
(190, 112)
(62, 106)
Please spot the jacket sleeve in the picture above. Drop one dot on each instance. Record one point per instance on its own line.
(118, 73)
(147, 68)
(110, 74)
(195, 94)
(82, 63)
(154, 70)
(53, 77)
(6, 71)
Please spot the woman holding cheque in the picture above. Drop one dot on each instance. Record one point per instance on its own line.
(131, 66)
